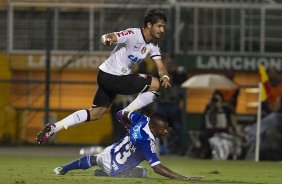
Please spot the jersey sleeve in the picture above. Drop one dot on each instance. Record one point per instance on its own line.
(149, 152)
(123, 36)
(155, 52)
(135, 118)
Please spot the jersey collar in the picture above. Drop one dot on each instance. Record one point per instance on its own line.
(148, 131)
(144, 37)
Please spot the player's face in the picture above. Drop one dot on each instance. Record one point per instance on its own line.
(157, 29)
(162, 129)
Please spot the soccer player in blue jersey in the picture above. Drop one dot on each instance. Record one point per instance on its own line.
(125, 155)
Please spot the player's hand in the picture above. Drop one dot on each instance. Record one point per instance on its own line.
(194, 178)
(165, 81)
(106, 40)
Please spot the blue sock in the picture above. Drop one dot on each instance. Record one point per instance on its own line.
(82, 163)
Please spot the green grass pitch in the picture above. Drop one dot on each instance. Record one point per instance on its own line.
(38, 170)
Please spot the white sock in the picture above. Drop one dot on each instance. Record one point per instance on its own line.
(71, 120)
(141, 100)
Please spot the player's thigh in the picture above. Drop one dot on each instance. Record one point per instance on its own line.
(155, 84)
(131, 84)
(127, 84)
(103, 160)
(103, 98)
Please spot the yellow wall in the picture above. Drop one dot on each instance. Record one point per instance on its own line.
(22, 104)
(93, 132)
(69, 97)
(7, 113)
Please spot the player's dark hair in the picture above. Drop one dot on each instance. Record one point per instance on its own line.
(157, 117)
(153, 16)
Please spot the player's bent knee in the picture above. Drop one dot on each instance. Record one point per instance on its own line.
(96, 113)
(155, 84)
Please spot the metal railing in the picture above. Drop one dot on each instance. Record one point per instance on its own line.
(228, 28)
(195, 27)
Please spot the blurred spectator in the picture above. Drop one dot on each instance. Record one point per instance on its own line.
(170, 104)
(270, 136)
(219, 130)
(276, 88)
(274, 82)
(274, 77)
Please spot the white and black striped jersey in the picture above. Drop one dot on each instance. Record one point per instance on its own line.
(130, 50)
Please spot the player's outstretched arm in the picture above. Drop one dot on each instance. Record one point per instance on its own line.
(108, 39)
(164, 171)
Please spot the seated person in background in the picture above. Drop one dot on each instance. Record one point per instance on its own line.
(220, 121)
(270, 105)
(219, 116)
(270, 135)
(139, 144)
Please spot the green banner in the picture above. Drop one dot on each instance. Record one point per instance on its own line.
(236, 63)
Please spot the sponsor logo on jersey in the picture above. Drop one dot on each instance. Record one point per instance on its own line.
(143, 50)
(134, 58)
(136, 133)
(124, 33)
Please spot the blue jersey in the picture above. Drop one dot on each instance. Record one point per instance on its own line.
(139, 144)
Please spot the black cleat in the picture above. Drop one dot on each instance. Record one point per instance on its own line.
(123, 119)
(45, 133)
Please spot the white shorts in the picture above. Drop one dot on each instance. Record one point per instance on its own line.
(104, 160)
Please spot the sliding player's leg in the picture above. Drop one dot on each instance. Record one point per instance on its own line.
(103, 160)
(84, 162)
